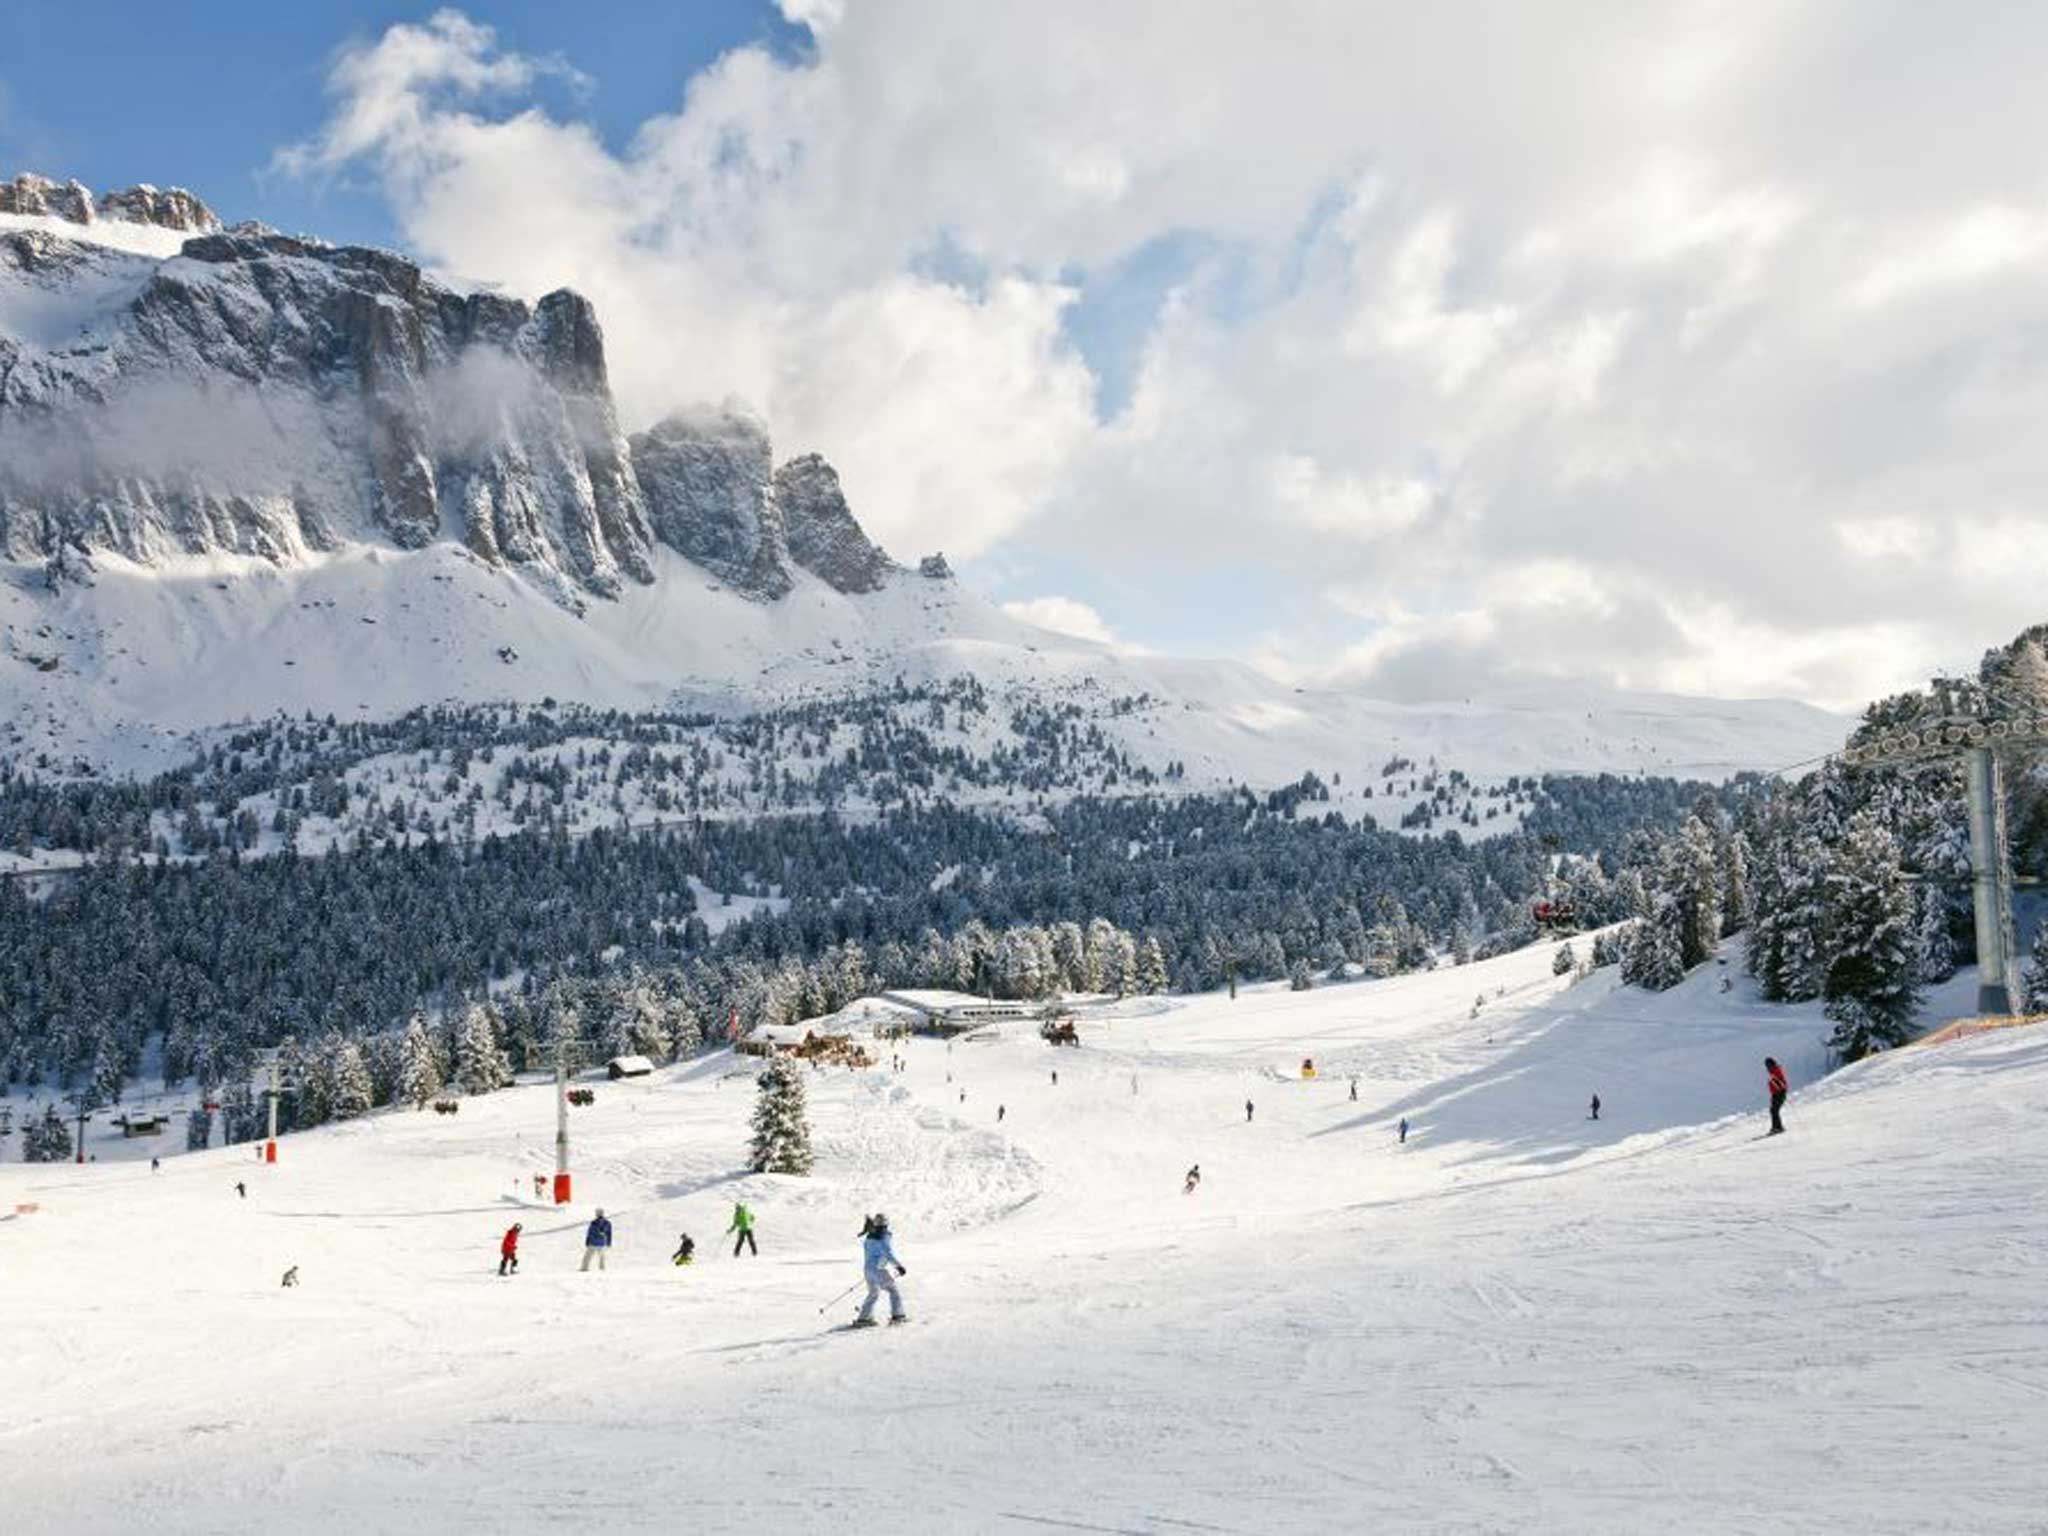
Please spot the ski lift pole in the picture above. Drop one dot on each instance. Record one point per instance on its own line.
(561, 1128)
(276, 1090)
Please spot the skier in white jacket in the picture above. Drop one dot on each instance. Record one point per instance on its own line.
(878, 1257)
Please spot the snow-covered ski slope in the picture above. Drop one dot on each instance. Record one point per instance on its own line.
(1520, 1321)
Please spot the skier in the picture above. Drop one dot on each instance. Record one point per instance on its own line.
(508, 1251)
(1000, 1111)
(1194, 1180)
(1354, 1090)
(1247, 1111)
(291, 1276)
(743, 1223)
(597, 1238)
(540, 1186)
(1055, 1077)
(878, 1257)
(1774, 1078)
(241, 1189)
(686, 1251)
(1404, 1130)
(1596, 1106)
(155, 1166)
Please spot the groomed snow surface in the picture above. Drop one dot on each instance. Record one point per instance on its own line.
(1522, 1320)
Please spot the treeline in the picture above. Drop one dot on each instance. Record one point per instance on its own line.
(222, 957)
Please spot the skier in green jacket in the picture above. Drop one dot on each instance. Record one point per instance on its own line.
(743, 1223)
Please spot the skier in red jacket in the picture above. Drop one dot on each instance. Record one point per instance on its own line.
(1774, 1076)
(508, 1251)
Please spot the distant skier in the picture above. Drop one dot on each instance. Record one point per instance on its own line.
(291, 1276)
(1354, 1090)
(508, 1251)
(743, 1223)
(241, 1189)
(686, 1251)
(540, 1186)
(1194, 1180)
(1404, 1130)
(1055, 1077)
(878, 1257)
(155, 1166)
(1247, 1111)
(597, 1240)
(1774, 1079)
(1596, 1107)
(1000, 1112)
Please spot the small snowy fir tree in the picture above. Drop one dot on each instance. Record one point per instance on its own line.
(1873, 980)
(198, 1128)
(1937, 946)
(1564, 962)
(351, 1074)
(1299, 977)
(47, 1140)
(1607, 946)
(2034, 979)
(419, 1064)
(782, 1128)
(480, 1065)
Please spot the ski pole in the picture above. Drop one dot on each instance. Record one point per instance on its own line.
(841, 1296)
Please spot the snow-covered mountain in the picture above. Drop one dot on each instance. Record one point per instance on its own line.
(244, 473)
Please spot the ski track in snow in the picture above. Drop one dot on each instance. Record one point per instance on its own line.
(1521, 1321)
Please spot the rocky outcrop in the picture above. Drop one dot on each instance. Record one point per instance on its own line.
(39, 197)
(270, 396)
(264, 395)
(710, 496)
(823, 537)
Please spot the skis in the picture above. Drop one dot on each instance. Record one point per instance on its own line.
(860, 1327)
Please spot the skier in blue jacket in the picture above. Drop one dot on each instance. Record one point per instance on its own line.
(878, 1257)
(597, 1239)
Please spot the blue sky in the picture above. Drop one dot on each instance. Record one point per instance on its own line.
(114, 93)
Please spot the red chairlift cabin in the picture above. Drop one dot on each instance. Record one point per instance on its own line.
(1554, 915)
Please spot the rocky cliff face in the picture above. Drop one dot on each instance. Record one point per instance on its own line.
(823, 536)
(710, 495)
(266, 396)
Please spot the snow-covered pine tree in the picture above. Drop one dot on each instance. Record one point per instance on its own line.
(1937, 957)
(1696, 883)
(1564, 962)
(1299, 977)
(1607, 946)
(352, 1091)
(1736, 905)
(782, 1128)
(419, 1066)
(1653, 958)
(47, 1140)
(2034, 978)
(1151, 967)
(1872, 986)
(480, 1065)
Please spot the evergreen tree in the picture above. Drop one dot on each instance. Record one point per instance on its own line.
(1564, 962)
(351, 1073)
(419, 1067)
(1872, 981)
(1937, 959)
(1653, 958)
(1152, 967)
(198, 1129)
(782, 1130)
(1736, 900)
(2034, 979)
(47, 1140)
(480, 1065)
(1299, 977)
(1696, 885)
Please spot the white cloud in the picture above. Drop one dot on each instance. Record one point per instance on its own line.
(1526, 339)
(1062, 615)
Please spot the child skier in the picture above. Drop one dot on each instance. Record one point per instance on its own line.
(508, 1251)
(686, 1251)
(878, 1257)
(743, 1223)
